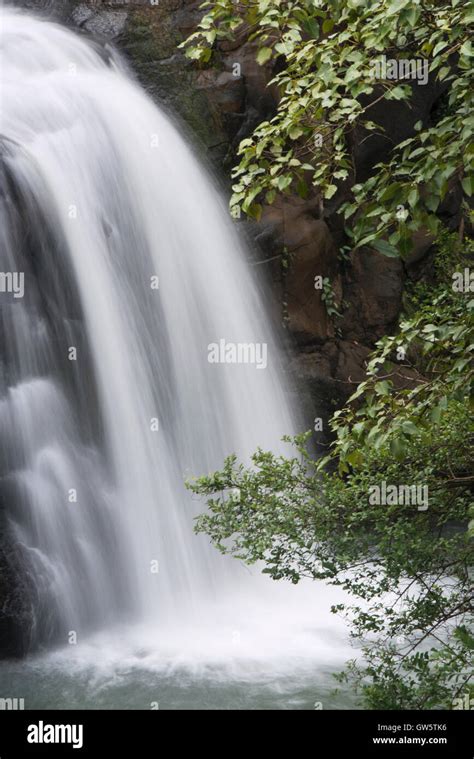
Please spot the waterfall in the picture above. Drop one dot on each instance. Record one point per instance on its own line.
(113, 387)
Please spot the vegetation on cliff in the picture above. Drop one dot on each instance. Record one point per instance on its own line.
(331, 59)
(388, 513)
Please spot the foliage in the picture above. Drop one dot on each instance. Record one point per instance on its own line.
(329, 299)
(452, 255)
(403, 398)
(324, 54)
(406, 562)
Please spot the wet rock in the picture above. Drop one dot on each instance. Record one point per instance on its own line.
(81, 14)
(373, 289)
(312, 256)
(108, 24)
(16, 611)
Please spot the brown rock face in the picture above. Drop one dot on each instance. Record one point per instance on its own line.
(225, 91)
(373, 292)
(312, 254)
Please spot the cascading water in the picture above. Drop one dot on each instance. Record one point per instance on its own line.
(108, 400)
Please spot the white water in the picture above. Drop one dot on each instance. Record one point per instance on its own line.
(103, 194)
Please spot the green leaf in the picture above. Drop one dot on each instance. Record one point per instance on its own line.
(397, 93)
(284, 182)
(413, 197)
(330, 191)
(328, 25)
(397, 447)
(264, 55)
(384, 247)
(255, 211)
(468, 185)
(435, 414)
(462, 633)
(409, 428)
(295, 132)
(382, 388)
(432, 202)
